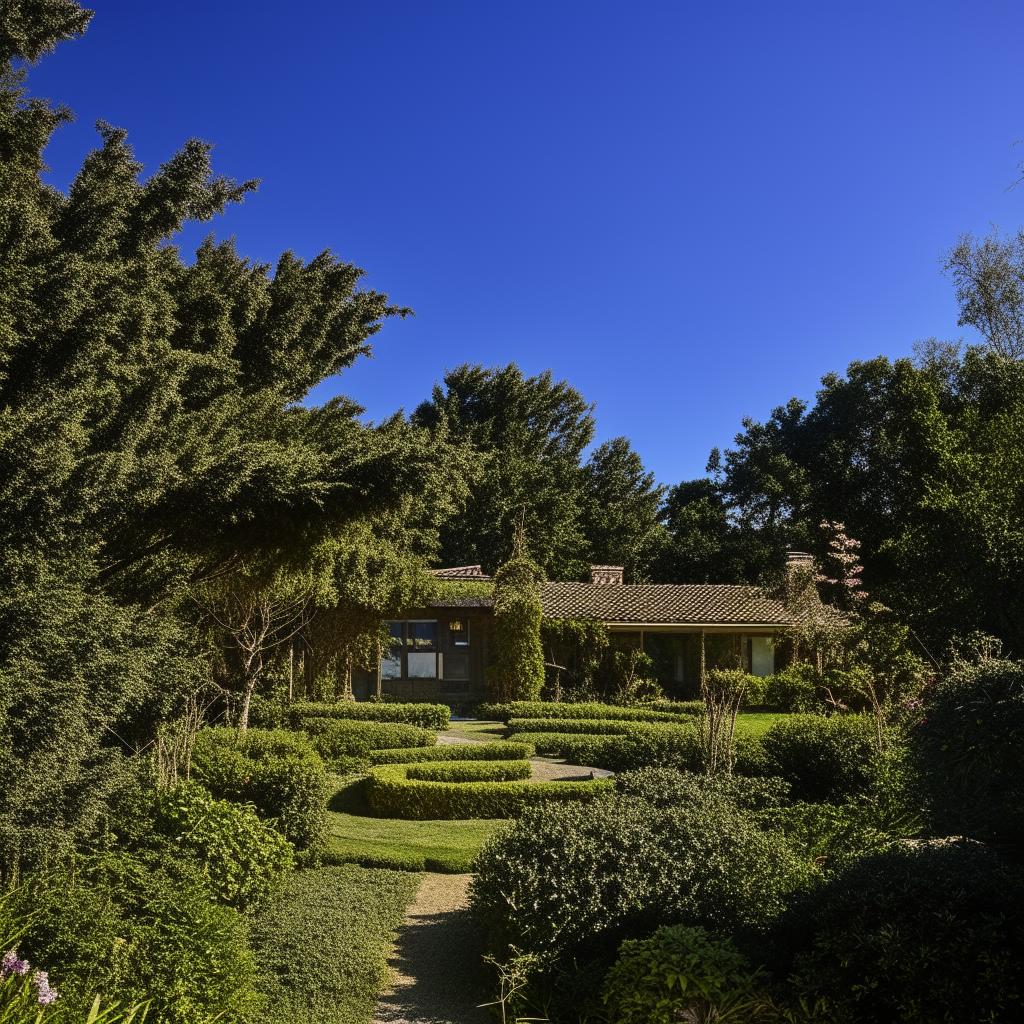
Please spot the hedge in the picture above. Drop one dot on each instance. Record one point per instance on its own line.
(346, 737)
(426, 716)
(589, 709)
(469, 771)
(497, 751)
(593, 726)
(392, 794)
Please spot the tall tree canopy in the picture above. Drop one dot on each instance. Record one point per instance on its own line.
(150, 439)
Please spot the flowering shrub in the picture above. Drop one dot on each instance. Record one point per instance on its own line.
(23, 990)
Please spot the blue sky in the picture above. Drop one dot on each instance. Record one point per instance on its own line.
(690, 211)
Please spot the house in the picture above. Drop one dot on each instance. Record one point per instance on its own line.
(440, 653)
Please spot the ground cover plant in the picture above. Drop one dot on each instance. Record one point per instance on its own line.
(324, 943)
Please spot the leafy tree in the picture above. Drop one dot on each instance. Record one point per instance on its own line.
(528, 434)
(517, 671)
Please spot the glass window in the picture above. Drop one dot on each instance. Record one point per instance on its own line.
(456, 666)
(422, 635)
(422, 665)
(458, 632)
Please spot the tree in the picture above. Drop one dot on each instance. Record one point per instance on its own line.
(620, 511)
(528, 434)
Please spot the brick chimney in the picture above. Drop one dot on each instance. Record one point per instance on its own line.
(606, 575)
(796, 560)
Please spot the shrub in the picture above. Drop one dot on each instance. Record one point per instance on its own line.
(792, 689)
(337, 739)
(572, 880)
(244, 858)
(469, 771)
(426, 716)
(679, 974)
(392, 794)
(821, 758)
(138, 929)
(966, 754)
(668, 787)
(588, 709)
(276, 771)
(497, 751)
(930, 932)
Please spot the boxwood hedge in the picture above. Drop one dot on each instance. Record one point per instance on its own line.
(469, 771)
(426, 716)
(392, 794)
(593, 726)
(587, 709)
(497, 751)
(335, 738)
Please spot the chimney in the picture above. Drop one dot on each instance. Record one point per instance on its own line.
(606, 575)
(796, 560)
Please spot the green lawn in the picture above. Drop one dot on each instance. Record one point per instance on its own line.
(755, 723)
(322, 944)
(478, 730)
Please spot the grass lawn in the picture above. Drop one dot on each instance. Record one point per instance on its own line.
(755, 723)
(322, 944)
(444, 846)
(478, 730)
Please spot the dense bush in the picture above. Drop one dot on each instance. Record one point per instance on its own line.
(575, 880)
(669, 787)
(277, 771)
(244, 858)
(132, 929)
(821, 758)
(497, 751)
(344, 739)
(919, 933)
(593, 726)
(392, 794)
(967, 753)
(587, 709)
(792, 688)
(469, 771)
(682, 974)
(426, 716)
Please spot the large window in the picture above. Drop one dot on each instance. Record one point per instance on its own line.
(413, 653)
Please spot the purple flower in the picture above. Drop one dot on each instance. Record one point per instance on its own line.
(44, 994)
(10, 964)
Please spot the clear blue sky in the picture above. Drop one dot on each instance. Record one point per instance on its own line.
(691, 211)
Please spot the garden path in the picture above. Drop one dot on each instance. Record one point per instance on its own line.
(439, 977)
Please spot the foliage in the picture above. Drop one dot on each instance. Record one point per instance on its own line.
(682, 973)
(469, 771)
(966, 752)
(393, 793)
(502, 712)
(598, 726)
(275, 771)
(574, 647)
(138, 929)
(244, 859)
(792, 688)
(324, 943)
(821, 758)
(498, 751)
(338, 740)
(516, 671)
(669, 787)
(426, 716)
(924, 932)
(723, 691)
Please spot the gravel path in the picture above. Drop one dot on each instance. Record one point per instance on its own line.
(439, 977)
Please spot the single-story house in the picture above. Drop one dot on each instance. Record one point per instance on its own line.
(440, 653)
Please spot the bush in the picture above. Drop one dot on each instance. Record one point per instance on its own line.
(679, 974)
(966, 754)
(392, 794)
(792, 689)
(594, 726)
(821, 758)
(573, 881)
(469, 771)
(497, 751)
(244, 859)
(276, 771)
(138, 929)
(339, 739)
(924, 933)
(668, 787)
(426, 716)
(587, 709)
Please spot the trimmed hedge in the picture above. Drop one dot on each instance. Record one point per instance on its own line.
(469, 771)
(593, 726)
(497, 751)
(392, 794)
(426, 716)
(588, 709)
(275, 770)
(335, 738)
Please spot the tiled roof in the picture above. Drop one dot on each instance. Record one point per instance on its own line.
(461, 572)
(699, 604)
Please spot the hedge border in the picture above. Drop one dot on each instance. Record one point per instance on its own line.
(496, 751)
(468, 771)
(426, 716)
(589, 710)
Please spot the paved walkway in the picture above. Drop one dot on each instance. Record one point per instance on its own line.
(439, 975)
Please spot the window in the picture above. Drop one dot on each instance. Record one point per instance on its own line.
(458, 632)
(413, 653)
(391, 662)
(456, 666)
(421, 635)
